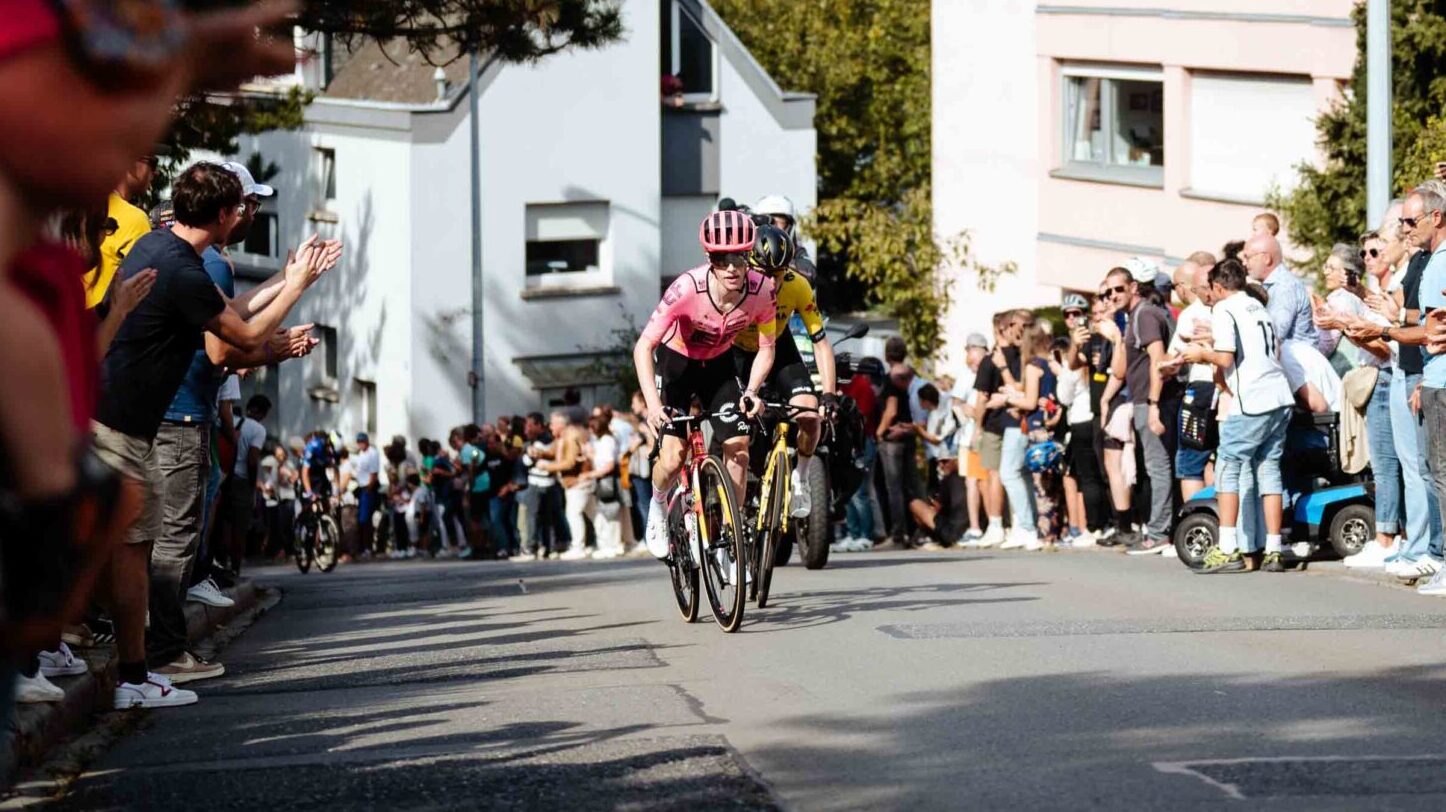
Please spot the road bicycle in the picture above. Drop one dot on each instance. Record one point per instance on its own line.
(705, 535)
(772, 501)
(315, 535)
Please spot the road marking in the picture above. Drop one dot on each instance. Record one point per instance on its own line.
(1290, 776)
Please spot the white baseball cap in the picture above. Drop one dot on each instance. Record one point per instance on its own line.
(249, 186)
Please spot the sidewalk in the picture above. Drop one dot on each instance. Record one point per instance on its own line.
(39, 728)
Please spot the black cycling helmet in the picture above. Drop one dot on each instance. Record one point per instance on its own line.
(772, 249)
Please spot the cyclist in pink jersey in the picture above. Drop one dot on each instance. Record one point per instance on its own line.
(691, 331)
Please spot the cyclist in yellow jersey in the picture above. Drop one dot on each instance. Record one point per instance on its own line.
(773, 253)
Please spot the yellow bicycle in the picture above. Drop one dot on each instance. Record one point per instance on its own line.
(774, 499)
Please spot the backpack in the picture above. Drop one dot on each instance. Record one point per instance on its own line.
(848, 438)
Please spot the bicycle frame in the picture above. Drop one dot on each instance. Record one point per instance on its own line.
(765, 484)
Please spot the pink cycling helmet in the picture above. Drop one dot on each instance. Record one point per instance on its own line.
(727, 232)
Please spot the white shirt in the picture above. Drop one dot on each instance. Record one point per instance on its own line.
(1242, 326)
(249, 434)
(1303, 364)
(944, 425)
(365, 465)
(965, 393)
(230, 390)
(606, 448)
(1191, 319)
(1074, 392)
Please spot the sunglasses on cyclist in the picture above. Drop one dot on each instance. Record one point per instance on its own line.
(735, 259)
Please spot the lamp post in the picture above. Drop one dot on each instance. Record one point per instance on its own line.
(477, 378)
(1378, 109)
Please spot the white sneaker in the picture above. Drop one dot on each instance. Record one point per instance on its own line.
(842, 545)
(860, 546)
(1423, 567)
(1032, 543)
(207, 592)
(62, 663)
(992, 537)
(655, 536)
(29, 690)
(155, 692)
(799, 495)
(576, 554)
(1371, 557)
(1435, 586)
(1015, 541)
(1084, 539)
(606, 554)
(1170, 552)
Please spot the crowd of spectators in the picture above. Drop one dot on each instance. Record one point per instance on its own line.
(1094, 431)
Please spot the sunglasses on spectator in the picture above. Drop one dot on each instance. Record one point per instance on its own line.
(1370, 252)
(1116, 290)
(1410, 222)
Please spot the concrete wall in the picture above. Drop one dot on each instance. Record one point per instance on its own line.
(584, 126)
(998, 130)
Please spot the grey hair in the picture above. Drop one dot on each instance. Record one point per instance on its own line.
(1350, 258)
(1432, 194)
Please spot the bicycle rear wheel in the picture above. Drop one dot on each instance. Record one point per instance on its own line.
(682, 569)
(327, 535)
(301, 536)
(724, 564)
(766, 548)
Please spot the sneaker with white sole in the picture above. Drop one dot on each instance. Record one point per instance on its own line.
(208, 593)
(1436, 586)
(799, 496)
(1371, 557)
(576, 554)
(729, 572)
(62, 663)
(993, 537)
(30, 690)
(656, 534)
(155, 692)
(1016, 540)
(971, 538)
(1032, 544)
(189, 668)
(1084, 539)
(1423, 567)
(842, 545)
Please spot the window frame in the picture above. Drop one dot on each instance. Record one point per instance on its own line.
(326, 177)
(594, 277)
(1109, 76)
(675, 38)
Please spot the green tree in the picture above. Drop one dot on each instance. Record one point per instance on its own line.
(1329, 203)
(869, 63)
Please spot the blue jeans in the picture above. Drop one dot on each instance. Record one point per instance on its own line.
(1384, 463)
(642, 498)
(503, 512)
(858, 513)
(1423, 513)
(1256, 441)
(1018, 484)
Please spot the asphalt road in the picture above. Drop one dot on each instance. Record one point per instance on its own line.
(887, 681)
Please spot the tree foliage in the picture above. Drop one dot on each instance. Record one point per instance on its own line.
(1329, 203)
(869, 63)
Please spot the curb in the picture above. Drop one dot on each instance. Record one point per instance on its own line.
(38, 728)
(1336, 569)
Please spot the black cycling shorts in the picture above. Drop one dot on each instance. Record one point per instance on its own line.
(789, 375)
(714, 382)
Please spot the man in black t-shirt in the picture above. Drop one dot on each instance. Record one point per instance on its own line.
(1147, 334)
(140, 375)
(945, 516)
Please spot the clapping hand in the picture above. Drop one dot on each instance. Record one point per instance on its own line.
(1383, 304)
(133, 289)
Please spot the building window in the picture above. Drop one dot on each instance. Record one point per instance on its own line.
(1230, 162)
(1114, 123)
(262, 240)
(326, 174)
(567, 244)
(688, 53)
(323, 358)
(367, 392)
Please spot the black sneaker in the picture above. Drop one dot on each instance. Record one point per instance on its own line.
(1148, 546)
(1123, 538)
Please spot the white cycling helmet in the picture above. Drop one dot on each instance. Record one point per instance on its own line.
(779, 206)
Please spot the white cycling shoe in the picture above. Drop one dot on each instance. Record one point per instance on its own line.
(656, 534)
(800, 497)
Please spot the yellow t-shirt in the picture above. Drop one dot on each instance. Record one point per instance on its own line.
(795, 295)
(131, 225)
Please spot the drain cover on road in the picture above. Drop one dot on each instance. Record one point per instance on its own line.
(1330, 776)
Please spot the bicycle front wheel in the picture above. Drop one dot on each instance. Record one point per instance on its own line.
(724, 564)
(327, 535)
(769, 539)
(301, 534)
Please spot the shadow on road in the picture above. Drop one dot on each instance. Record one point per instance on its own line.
(816, 608)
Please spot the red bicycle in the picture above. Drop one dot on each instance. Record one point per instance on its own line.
(705, 534)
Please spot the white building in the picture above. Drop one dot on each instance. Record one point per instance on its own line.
(592, 189)
(1069, 136)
